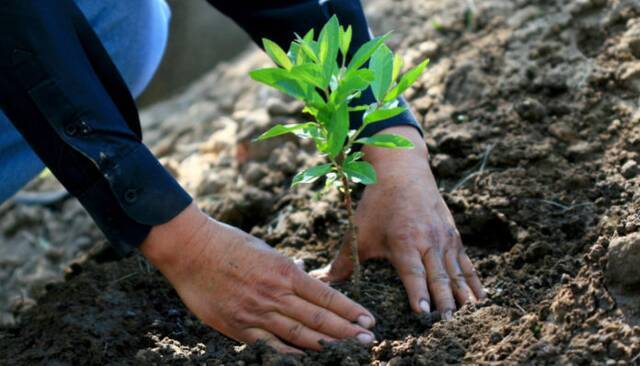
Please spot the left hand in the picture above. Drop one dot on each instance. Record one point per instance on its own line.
(404, 219)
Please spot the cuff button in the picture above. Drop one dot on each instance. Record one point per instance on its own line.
(130, 195)
(71, 129)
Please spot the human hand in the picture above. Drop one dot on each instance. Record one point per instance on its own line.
(404, 219)
(243, 288)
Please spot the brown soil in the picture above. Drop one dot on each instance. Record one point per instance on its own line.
(531, 113)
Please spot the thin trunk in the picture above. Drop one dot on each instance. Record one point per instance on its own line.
(353, 236)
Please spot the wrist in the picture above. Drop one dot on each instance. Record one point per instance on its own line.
(382, 158)
(166, 244)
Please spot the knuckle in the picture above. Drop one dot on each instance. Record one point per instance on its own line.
(241, 317)
(271, 294)
(249, 310)
(328, 295)
(413, 270)
(459, 280)
(428, 250)
(452, 232)
(283, 300)
(471, 274)
(442, 278)
(286, 269)
(460, 277)
(411, 233)
(319, 319)
(450, 236)
(294, 332)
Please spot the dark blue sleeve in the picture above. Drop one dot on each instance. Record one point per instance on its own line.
(60, 89)
(279, 20)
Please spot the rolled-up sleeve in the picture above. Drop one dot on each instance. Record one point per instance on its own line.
(60, 89)
(280, 20)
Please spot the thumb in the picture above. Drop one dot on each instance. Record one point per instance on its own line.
(340, 268)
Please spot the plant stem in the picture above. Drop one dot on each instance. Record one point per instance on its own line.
(353, 234)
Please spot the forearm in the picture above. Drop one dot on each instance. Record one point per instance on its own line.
(63, 94)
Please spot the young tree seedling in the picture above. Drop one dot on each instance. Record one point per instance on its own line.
(319, 72)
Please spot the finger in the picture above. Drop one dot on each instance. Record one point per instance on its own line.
(439, 283)
(461, 289)
(254, 335)
(319, 293)
(471, 275)
(322, 320)
(295, 333)
(411, 271)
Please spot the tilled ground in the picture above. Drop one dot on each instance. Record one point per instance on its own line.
(531, 113)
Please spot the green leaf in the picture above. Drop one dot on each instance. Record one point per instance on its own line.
(406, 81)
(308, 46)
(297, 54)
(309, 73)
(313, 132)
(398, 63)
(310, 35)
(382, 114)
(358, 108)
(353, 82)
(361, 172)
(354, 157)
(365, 51)
(337, 130)
(329, 43)
(329, 40)
(269, 76)
(277, 54)
(387, 141)
(281, 80)
(283, 129)
(345, 40)
(311, 175)
(382, 66)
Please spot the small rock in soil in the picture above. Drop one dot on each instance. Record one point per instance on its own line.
(581, 150)
(453, 142)
(630, 169)
(562, 131)
(444, 165)
(531, 110)
(623, 260)
(629, 75)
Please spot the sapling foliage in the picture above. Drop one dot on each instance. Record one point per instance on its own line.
(318, 71)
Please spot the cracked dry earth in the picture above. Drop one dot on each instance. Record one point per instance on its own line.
(531, 113)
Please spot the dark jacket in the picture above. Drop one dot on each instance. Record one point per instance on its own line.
(60, 89)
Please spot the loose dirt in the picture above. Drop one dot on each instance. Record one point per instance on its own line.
(531, 116)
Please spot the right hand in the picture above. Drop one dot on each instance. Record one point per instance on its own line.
(243, 288)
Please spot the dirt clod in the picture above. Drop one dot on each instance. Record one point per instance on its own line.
(623, 259)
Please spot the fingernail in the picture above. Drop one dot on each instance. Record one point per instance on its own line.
(365, 338)
(365, 321)
(447, 315)
(424, 306)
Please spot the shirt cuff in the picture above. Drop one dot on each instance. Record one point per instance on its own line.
(137, 194)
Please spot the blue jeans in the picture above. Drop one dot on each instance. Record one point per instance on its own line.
(135, 35)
